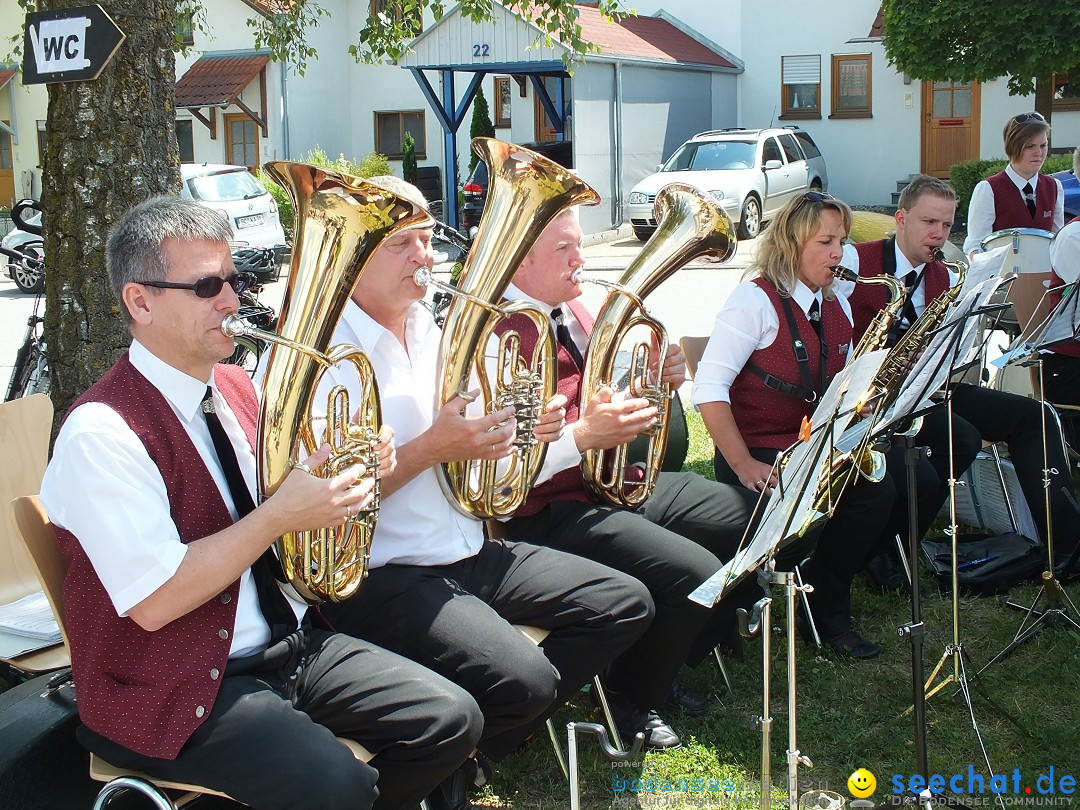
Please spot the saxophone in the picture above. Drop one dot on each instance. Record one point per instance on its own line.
(691, 225)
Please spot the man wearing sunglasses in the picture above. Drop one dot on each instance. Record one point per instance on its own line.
(193, 662)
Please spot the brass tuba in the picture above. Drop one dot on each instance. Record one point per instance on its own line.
(525, 192)
(340, 221)
(691, 225)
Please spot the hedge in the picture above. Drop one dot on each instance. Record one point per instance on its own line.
(963, 177)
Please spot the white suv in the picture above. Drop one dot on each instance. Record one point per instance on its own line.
(750, 172)
(233, 191)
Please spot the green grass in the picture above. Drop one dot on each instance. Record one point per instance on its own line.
(849, 714)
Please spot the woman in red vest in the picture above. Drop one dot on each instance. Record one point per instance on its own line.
(778, 341)
(1018, 196)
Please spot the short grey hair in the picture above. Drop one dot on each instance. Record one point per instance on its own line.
(402, 188)
(133, 252)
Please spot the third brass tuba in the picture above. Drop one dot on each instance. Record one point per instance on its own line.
(340, 221)
(691, 225)
(525, 192)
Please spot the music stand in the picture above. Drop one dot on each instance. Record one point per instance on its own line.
(1061, 325)
(795, 505)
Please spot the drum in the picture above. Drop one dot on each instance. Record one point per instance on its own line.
(1030, 249)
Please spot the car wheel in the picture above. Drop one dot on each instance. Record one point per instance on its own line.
(643, 234)
(750, 223)
(28, 279)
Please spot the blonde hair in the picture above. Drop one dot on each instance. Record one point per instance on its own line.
(779, 248)
(1019, 130)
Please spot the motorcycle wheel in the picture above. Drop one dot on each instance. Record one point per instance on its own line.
(26, 279)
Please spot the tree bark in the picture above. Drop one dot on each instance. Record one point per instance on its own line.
(109, 144)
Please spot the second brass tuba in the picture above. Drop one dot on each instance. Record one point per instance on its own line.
(691, 225)
(340, 221)
(525, 192)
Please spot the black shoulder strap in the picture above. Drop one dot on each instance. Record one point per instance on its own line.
(802, 357)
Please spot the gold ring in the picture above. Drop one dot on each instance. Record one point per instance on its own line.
(348, 513)
(302, 466)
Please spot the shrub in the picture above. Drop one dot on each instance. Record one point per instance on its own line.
(408, 159)
(481, 126)
(963, 177)
(369, 165)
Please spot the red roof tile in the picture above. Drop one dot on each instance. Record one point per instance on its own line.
(877, 30)
(645, 38)
(6, 75)
(215, 80)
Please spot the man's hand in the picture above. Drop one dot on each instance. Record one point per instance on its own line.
(456, 436)
(384, 446)
(307, 502)
(607, 422)
(674, 371)
(552, 420)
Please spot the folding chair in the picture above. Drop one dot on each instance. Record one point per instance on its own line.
(25, 426)
(50, 566)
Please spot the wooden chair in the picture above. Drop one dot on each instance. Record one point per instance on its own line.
(50, 566)
(25, 426)
(692, 349)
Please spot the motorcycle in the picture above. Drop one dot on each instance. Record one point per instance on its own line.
(24, 248)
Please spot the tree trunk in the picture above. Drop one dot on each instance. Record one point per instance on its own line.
(109, 144)
(1044, 96)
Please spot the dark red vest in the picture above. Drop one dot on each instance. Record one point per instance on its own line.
(876, 258)
(769, 418)
(150, 691)
(1072, 348)
(1010, 208)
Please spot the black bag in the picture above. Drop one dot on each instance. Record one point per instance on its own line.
(985, 565)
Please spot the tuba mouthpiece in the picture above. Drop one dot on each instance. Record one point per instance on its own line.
(578, 276)
(422, 277)
(234, 326)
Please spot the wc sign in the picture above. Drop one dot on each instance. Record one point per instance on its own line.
(67, 45)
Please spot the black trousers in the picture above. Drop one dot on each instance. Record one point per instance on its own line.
(1061, 379)
(458, 620)
(841, 545)
(983, 414)
(673, 542)
(269, 741)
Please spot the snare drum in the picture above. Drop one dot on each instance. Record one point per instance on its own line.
(1030, 249)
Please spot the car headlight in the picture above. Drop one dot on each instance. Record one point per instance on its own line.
(717, 194)
(638, 198)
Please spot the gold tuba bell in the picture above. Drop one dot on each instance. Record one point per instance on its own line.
(340, 221)
(691, 225)
(525, 192)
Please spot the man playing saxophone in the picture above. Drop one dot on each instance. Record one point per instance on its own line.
(438, 591)
(673, 542)
(924, 219)
(192, 663)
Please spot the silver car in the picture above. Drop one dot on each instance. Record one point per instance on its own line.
(750, 172)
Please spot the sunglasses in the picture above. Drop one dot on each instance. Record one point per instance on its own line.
(1023, 118)
(206, 287)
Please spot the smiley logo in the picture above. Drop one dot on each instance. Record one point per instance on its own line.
(861, 783)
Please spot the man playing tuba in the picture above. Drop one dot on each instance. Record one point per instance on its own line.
(438, 591)
(673, 542)
(192, 662)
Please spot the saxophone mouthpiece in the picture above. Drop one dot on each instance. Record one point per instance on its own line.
(422, 277)
(937, 254)
(845, 274)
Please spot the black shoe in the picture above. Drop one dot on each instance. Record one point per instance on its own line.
(453, 792)
(629, 720)
(682, 698)
(852, 645)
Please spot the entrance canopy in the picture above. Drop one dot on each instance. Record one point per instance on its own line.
(509, 45)
(216, 81)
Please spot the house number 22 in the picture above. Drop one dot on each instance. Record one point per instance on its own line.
(481, 50)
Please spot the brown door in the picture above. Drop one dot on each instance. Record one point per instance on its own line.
(7, 172)
(950, 132)
(241, 141)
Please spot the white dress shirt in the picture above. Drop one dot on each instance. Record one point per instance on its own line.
(417, 524)
(1065, 251)
(903, 267)
(747, 322)
(982, 213)
(102, 486)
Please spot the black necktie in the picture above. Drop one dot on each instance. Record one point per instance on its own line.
(562, 334)
(910, 279)
(275, 607)
(815, 317)
(1029, 195)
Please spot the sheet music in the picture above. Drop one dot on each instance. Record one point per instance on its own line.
(982, 502)
(984, 266)
(30, 617)
(792, 504)
(1061, 325)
